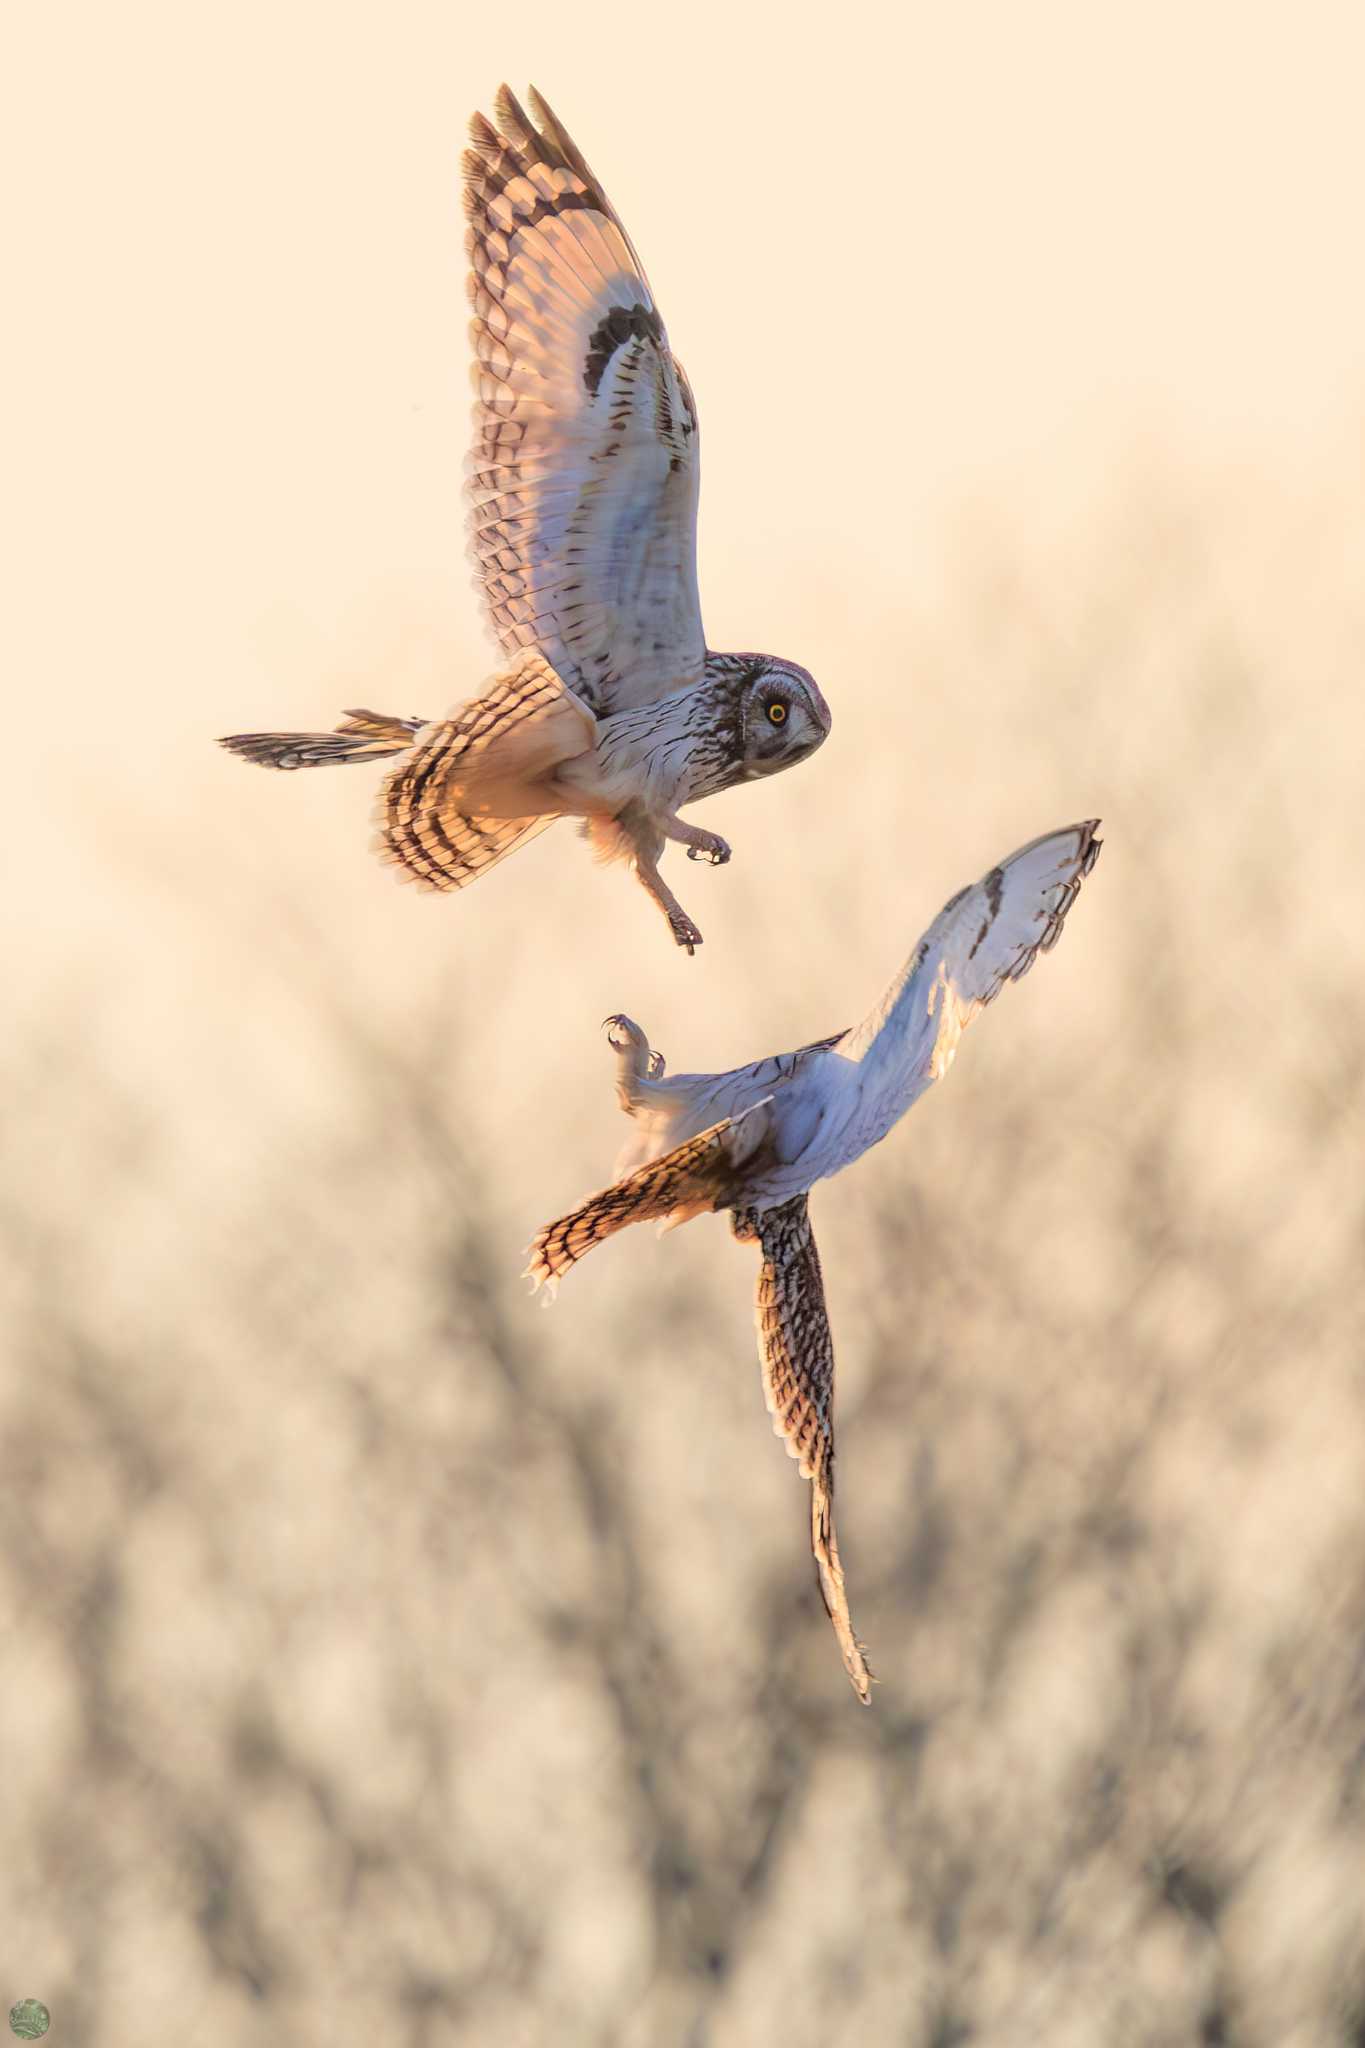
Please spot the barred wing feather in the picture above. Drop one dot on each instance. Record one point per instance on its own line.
(584, 471)
(796, 1356)
(697, 1175)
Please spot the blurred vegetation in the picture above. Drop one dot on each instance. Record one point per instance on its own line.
(390, 1661)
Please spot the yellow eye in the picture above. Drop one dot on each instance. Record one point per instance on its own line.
(777, 713)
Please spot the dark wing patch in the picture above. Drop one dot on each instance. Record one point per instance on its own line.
(638, 323)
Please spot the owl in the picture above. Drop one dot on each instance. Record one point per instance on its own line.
(755, 1140)
(583, 483)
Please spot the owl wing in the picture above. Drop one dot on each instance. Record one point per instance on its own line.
(796, 1354)
(986, 935)
(474, 785)
(698, 1175)
(584, 470)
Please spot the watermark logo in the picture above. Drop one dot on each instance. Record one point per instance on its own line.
(29, 2019)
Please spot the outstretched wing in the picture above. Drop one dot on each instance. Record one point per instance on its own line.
(584, 471)
(694, 1177)
(986, 935)
(796, 1353)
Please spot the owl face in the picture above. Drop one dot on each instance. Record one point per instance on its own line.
(783, 717)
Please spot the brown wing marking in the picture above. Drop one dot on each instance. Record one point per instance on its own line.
(474, 785)
(584, 470)
(695, 1176)
(796, 1353)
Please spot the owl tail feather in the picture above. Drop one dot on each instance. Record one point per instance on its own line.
(362, 736)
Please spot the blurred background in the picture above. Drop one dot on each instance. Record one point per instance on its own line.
(388, 1660)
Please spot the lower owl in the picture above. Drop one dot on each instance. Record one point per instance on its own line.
(469, 789)
(754, 1141)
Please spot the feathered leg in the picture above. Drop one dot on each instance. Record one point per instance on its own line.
(707, 846)
(647, 843)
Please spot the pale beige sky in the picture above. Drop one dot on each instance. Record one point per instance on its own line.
(904, 251)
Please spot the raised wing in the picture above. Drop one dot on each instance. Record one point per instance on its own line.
(584, 471)
(986, 935)
(796, 1354)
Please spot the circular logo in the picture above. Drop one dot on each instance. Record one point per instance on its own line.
(30, 2019)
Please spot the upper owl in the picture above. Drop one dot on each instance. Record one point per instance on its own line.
(583, 483)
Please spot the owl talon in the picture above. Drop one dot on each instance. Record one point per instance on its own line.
(710, 847)
(623, 1032)
(684, 932)
(636, 1061)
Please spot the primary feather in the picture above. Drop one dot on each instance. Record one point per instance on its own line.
(584, 474)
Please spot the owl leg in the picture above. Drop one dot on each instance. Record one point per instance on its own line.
(648, 844)
(679, 923)
(707, 846)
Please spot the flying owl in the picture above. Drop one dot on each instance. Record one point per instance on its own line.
(583, 530)
(755, 1140)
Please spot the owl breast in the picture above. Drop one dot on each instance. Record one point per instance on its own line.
(657, 756)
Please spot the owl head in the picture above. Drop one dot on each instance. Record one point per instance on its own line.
(782, 716)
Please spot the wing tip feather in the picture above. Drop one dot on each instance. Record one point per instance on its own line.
(512, 118)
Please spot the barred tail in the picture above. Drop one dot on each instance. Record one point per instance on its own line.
(363, 736)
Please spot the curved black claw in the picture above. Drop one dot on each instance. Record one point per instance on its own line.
(684, 931)
(622, 1031)
(710, 847)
